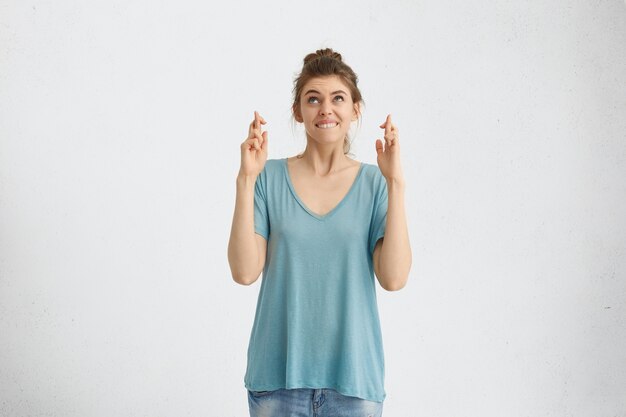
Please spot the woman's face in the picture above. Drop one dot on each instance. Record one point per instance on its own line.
(326, 109)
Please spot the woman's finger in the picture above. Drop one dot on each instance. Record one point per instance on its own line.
(259, 120)
(251, 129)
(249, 144)
(388, 133)
(254, 130)
(385, 122)
(259, 136)
(379, 146)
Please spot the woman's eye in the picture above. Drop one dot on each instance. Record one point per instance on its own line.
(312, 99)
(339, 97)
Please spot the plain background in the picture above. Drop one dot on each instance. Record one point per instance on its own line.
(120, 127)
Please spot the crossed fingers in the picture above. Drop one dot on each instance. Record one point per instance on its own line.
(254, 132)
(391, 131)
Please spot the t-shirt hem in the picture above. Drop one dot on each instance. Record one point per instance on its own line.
(375, 242)
(343, 391)
(262, 233)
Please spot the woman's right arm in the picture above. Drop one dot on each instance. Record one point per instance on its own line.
(246, 249)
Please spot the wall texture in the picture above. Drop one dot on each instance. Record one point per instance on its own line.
(120, 126)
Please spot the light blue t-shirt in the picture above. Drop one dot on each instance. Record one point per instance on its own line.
(316, 322)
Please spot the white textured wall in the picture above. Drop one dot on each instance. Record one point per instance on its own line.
(120, 125)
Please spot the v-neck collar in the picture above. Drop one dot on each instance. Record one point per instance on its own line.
(311, 212)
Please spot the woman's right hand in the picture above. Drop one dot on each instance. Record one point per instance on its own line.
(254, 148)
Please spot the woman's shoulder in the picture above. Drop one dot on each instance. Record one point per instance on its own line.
(371, 170)
(370, 166)
(273, 164)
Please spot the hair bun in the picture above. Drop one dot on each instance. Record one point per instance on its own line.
(321, 53)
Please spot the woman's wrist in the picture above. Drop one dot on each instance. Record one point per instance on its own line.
(246, 179)
(397, 183)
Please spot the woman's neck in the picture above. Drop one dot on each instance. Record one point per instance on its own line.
(321, 164)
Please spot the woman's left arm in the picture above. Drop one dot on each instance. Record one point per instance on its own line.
(392, 254)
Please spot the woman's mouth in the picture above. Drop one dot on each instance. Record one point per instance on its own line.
(326, 125)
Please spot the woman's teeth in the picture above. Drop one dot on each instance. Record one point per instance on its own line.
(327, 125)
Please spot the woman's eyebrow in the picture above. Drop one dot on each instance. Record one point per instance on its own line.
(317, 92)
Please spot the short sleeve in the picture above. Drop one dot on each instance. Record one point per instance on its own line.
(379, 215)
(261, 217)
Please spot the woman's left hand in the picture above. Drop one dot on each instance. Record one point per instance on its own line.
(389, 158)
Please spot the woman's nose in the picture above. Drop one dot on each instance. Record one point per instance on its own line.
(325, 110)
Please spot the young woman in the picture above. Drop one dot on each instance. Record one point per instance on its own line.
(319, 225)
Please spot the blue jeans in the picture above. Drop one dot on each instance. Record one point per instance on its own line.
(309, 402)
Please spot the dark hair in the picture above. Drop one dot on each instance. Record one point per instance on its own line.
(326, 62)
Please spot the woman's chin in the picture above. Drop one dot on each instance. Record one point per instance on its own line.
(327, 139)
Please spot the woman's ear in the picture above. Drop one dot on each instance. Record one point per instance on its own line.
(296, 113)
(357, 111)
